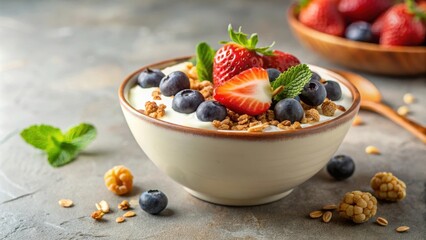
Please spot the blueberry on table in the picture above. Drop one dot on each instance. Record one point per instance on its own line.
(173, 83)
(149, 78)
(288, 109)
(315, 77)
(359, 31)
(273, 74)
(341, 167)
(209, 111)
(153, 201)
(187, 101)
(313, 93)
(334, 92)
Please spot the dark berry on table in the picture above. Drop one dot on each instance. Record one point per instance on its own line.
(334, 92)
(359, 31)
(209, 111)
(289, 109)
(187, 101)
(313, 93)
(315, 77)
(153, 201)
(173, 83)
(273, 74)
(341, 167)
(149, 78)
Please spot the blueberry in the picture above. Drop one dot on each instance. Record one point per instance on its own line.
(288, 109)
(359, 31)
(153, 201)
(209, 111)
(149, 78)
(297, 98)
(341, 167)
(334, 92)
(315, 77)
(187, 101)
(173, 83)
(273, 74)
(313, 93)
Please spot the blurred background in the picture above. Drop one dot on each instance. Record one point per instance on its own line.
(61, 63)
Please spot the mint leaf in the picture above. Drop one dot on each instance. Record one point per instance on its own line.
(39, 135)
(60, 148)
(205, 57)
(61, 153)
(80, 135)
(293, 80)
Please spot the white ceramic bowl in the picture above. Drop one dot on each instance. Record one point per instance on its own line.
(236, 168)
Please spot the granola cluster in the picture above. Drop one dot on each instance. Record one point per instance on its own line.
(388, 187)
(235, 121)
(358, 206)
(154, 110)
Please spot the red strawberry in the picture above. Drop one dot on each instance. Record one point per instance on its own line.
(323, 16)
(376, 27)
(280, 60)
(236, 56)
(246, 93)
(402, 27)
(363, 10)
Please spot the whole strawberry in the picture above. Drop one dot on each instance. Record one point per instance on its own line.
(280, 60)
(403, 26)
(322, 15)
(363, 10)
(236, 56)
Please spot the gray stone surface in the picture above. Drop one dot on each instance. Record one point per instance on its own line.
(61, 63)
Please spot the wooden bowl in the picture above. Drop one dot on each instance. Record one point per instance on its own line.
(368, 57)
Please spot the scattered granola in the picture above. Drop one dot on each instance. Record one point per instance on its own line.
(327, 216)
(402, 229)
(403, 110)
(156, 94)
(124, 205)
(103, 206)
(153, 110)
(328, 108)
(97, 215)
(357, 121)
(316, 214)
(129, 214)
(120, 219)
(312, 115)
(382, 221)
(358, 206)
(408, 98)
(119, 180)
(341, 108)
(372, 150)
(66, 203)
(388, 187)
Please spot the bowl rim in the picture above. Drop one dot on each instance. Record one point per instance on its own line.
(296, 24)
(346, 116)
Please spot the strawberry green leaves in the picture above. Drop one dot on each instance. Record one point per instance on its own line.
(61, 148)
(204, 60)
(249, 43)
(293, 81)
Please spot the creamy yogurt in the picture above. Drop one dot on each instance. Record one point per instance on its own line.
(138, 96)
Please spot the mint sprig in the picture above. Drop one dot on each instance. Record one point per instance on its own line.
(61, 148)
(204, 59)
(293, 80)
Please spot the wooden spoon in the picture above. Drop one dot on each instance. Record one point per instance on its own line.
(371, 100)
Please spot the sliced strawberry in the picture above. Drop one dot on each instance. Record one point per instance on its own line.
(280, 60)
(246, 93)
